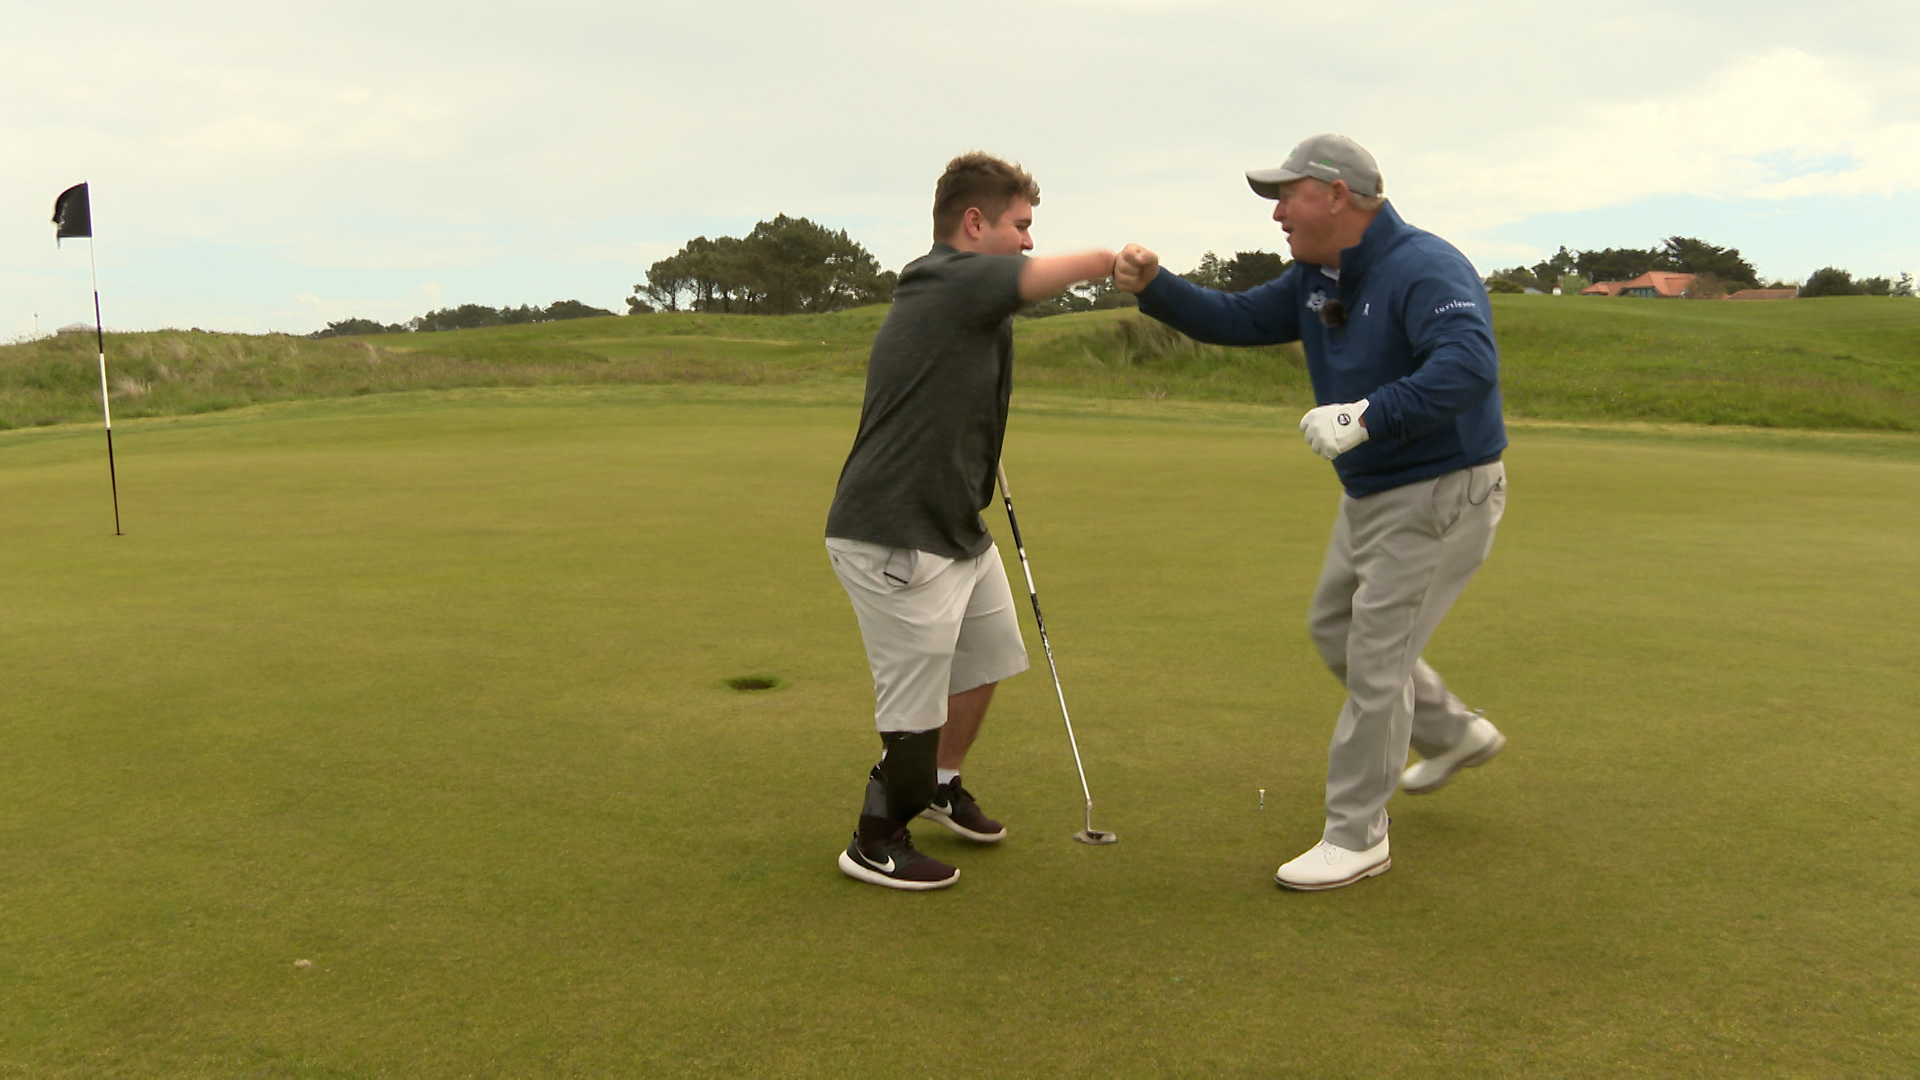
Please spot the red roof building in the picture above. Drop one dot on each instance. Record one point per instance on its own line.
(1657, 283)
(1653, 283)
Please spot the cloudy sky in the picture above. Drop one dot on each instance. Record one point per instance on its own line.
(256, 167)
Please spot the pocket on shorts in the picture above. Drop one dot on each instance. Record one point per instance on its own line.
(898, 567)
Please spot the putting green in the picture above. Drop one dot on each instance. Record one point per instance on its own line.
(431, 692)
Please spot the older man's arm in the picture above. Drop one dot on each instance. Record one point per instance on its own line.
(1266, 315)
(1451, 330)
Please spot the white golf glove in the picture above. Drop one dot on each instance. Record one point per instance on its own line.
(1333, 430)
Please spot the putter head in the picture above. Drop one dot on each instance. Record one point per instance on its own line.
(1096, 836)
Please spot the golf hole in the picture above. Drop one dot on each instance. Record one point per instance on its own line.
(747, 684)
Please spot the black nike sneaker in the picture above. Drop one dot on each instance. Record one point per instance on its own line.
(954, 807)
(882, 853)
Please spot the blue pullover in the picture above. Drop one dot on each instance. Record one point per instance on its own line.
(1418, 346)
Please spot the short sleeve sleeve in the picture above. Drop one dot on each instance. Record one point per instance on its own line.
(988, 286)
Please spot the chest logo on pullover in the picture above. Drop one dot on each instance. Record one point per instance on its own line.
(1319, 300)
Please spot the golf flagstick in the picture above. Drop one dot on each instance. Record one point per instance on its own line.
(73, 216)
(1088, 835)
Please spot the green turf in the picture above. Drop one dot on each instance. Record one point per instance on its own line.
(1833, 363)
(430, 690)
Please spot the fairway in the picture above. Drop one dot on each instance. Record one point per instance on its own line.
(430, 691)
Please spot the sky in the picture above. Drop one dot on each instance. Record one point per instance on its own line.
(262, 167)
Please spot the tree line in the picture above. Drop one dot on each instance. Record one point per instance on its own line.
(1719, 270)
(1833, 281)
(1679, 254)
(465, 317)
(785, 266)
(1243, 271)
(791, 265)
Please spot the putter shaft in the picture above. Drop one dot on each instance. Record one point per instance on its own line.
(1091, 835)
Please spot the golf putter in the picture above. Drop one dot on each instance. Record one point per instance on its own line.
(1088, 835)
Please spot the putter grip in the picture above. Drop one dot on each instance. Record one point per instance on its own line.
(1013, 522)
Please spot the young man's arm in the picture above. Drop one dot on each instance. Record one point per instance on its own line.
(1042, 277)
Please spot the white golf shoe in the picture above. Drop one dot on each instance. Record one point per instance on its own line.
(1325, 866)
(1482, 741)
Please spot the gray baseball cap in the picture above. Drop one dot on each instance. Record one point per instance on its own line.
(1323, 157)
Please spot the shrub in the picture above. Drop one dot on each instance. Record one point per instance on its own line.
(1830, 281)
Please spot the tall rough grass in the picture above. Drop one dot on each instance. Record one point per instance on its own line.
(169, 373)
(1839, 363)
(1132, 355)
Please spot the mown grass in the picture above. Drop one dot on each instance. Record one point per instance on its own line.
(1836, 363)
(431, 691)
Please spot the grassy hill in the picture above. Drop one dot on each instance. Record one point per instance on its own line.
(1834, 363)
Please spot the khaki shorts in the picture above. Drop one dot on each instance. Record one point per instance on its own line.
(933, 627)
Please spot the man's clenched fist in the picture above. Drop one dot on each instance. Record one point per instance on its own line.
(1333, 430)
(1134, 268)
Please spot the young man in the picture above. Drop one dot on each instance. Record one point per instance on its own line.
(904, 533)
(1400, 348)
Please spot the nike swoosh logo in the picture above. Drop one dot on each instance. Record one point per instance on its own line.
(942, 808)
(887, 869)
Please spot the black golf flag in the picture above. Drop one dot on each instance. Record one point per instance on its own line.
(72, 214)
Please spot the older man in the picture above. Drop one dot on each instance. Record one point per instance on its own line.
(1400, 348)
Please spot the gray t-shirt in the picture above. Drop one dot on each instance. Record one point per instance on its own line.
(938, 383)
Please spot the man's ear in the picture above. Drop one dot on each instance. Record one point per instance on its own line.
(973, 223)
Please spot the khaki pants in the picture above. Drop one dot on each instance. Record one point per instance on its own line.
(1397, 561)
